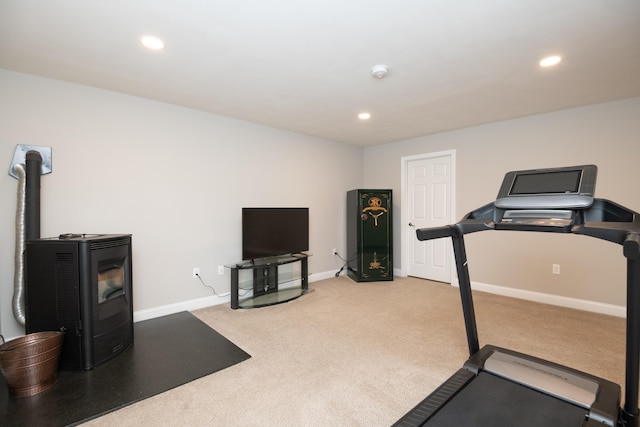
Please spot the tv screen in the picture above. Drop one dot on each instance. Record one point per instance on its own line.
(274, 231)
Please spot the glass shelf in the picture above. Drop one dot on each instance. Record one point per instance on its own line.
(268, 281)
(278, 260)
(282, 295)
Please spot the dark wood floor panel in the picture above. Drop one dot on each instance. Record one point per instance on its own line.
(168, 351)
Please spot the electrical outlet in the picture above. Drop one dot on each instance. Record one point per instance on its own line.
(221, 269)
(196, 272)
(555, 268)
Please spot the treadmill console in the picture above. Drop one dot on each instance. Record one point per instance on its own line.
(557, 188)
(545, 198)
(537, 218)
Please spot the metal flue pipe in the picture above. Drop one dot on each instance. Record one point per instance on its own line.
(27, 223)
(18, 275)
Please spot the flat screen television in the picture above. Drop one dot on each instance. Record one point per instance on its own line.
(268, 232)
(555, 188)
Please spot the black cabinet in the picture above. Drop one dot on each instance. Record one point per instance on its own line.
(369, 235)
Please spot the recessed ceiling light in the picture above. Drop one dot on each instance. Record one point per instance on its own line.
(152, 42)
(364, 116)
(550, 61)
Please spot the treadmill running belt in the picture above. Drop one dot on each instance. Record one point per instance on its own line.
(489, 401)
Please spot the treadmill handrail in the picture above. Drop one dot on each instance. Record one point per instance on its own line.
(435, 232)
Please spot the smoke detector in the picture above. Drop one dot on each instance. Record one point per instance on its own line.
(379, 71)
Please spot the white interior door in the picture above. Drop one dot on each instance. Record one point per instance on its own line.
(429, 203)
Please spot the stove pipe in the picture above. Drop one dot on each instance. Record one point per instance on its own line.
(32, 203)
(27, 223)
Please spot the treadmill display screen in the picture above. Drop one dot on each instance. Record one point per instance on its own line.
(561, 182)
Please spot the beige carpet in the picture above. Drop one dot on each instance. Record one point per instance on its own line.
(363, 354)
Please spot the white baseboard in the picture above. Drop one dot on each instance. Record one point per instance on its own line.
(586, 305)
(165, 310)
(196, 304)
(579, 304)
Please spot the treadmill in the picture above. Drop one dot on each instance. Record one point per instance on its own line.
(501, 387)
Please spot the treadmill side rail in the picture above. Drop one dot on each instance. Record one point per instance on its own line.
(548, 379)
(436, 400)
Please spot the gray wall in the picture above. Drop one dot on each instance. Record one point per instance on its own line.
(175, 178)
(604, 134)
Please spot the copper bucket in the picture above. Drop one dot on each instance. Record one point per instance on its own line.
(29, 364)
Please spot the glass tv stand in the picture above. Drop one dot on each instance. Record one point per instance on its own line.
(268, 281)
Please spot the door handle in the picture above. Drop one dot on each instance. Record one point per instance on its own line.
(411, 224)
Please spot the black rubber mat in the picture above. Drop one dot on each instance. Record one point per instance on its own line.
(168, 351)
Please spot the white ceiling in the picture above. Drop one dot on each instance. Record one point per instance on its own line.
(304, 65)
